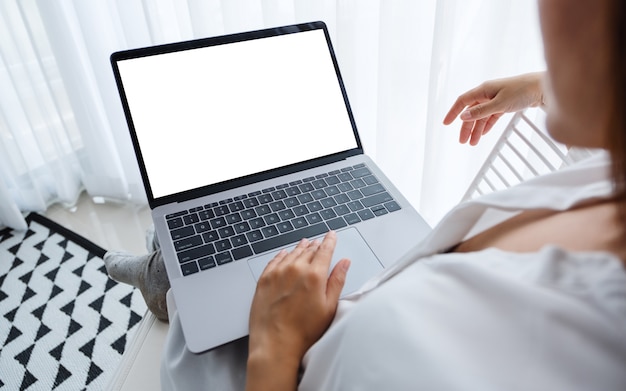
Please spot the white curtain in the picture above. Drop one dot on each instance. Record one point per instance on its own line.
(404, 62)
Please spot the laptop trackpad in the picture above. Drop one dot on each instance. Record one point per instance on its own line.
(351, 245)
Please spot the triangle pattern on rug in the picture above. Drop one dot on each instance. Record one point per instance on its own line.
(66, 323)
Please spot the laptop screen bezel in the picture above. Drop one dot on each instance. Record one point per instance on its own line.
(248, 179)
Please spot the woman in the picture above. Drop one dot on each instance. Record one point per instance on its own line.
(524, 289)
(585, 54)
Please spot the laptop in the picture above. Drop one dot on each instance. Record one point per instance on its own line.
(246, 144)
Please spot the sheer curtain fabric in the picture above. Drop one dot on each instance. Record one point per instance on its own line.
(62, 129)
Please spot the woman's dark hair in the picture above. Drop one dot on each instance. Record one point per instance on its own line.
(617, 131)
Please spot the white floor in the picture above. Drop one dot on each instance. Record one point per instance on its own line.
(111, 225)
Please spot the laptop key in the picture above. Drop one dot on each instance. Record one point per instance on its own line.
(341, 210)
(233, 218)
(293, 191)
(265, 198)
(226, 232)
(250, 202)
(342, 198)
(345, 187)
(305, 198)
(177, 214)
(332, 190)
(379, 210)
(333, 180)
(238, 240)
(248, 214)
(314, 206)
(206, 263)
(355, 205)
(189, 268)
(306, 187)
(318, 194)
(278, 205)
(242, 252)
(328, 202)
(286, 214)
(202, 227)
(289, 238)
(366, 214)
(370, 179)
(222, 258)
(360, 172)
(337, 223)
(352, 218)
(345, 177)
(254, 236)
(242, 227)
(279, 195)
(263, 210)
(355, 195)
(210, 236)
(358, 183)
(206, 214)
(372, 189)
(328, 214)
(191, 219)
(269, 231)
(392, 206)
(320, 183)
(221, 210)
(175, 223)
(313, 218)
(223, 245)
(195, 253)
(376, 199)
(182, 232)
(272, 219)
(284, 226)
(218, 222)
(300, 210)
(187, 243)
(236, 206)
(257, 223)
(299, 222)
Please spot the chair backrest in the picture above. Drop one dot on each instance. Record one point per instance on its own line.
(524, 150)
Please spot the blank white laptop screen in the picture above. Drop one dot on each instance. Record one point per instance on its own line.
(235, 109)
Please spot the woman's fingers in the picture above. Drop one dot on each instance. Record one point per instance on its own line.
(337, 280)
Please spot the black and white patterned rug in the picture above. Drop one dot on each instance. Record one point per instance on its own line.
(63, 323)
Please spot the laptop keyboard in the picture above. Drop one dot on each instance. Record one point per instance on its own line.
(235, 228)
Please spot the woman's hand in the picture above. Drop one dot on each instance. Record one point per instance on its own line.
(489, 101)
(294, 303)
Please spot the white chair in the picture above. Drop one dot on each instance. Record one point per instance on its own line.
(523, 151)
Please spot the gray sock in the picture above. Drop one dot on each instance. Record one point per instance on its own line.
(146, 272)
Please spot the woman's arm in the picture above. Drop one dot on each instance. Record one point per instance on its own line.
(294, 303)
(481, 107)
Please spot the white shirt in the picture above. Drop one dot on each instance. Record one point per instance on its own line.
(487, 320)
